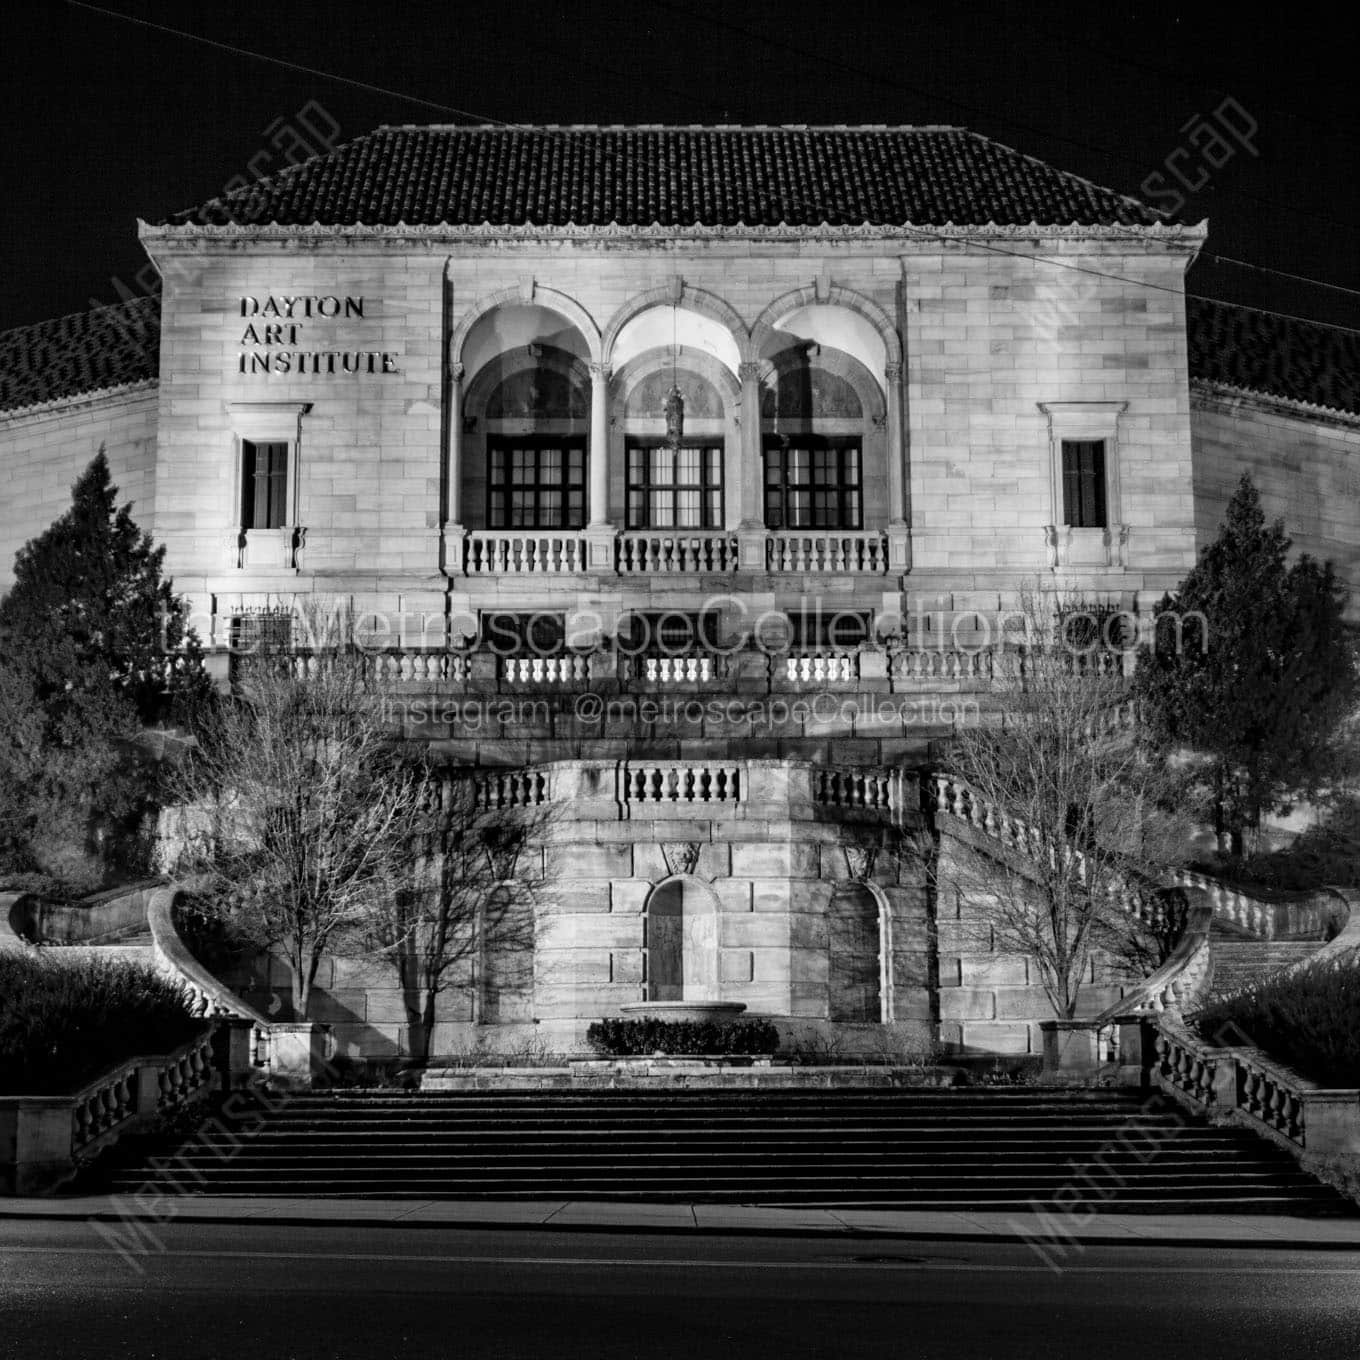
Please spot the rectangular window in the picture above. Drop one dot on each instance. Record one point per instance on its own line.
(518, 635)
(264, 484)
(1083, 475)
(821, 628)
(813, 484)
(675, 488)
(670, 632)
(536, 484)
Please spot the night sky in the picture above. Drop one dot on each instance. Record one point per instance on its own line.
(108, 120)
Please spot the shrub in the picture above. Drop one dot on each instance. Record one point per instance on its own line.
(1309, 1020)
(63, 1023)
(622, 1037)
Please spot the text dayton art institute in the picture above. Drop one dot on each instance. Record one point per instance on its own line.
(286, 314)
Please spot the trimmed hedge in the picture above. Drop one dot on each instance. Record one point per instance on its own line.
(1309, 1020)
(708, 1037)
(63, 1023)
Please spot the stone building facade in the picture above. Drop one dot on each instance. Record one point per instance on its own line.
(434, 375)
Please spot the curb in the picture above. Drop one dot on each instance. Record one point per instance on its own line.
(1075, 1243)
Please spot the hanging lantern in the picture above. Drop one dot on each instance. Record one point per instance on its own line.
(675, 416)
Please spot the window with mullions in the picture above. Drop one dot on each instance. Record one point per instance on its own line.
(813, 485)
(264, 484)
(1083, 477)
(675, 488)
(538, 484)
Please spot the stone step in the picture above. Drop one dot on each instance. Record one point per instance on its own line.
(944, 1149)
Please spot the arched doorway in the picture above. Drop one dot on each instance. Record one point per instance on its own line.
(682, 942)
(855, 952)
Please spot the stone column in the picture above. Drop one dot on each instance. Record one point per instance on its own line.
(750, 488)
(599, 531)
(899, 527)
(451, 548)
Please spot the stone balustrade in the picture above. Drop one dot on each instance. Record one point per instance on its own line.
(209, 997)
(679, 783)
(1180, 983)
(502, 552)
(869, 790)
(695, 668)
(822, 668)
(1247, 1087)
(44, 1138)
(496, 789)
(663, 552)
(925, 665)
(830, 551)
(555, 552)
(570, 668)
(1300, 920)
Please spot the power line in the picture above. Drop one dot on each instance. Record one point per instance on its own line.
(972, 242)
(711, 17)
(290, 65)
(486, 119)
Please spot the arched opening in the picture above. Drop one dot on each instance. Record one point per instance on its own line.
(667, 487)
(682, 942)
(525, 421)
(856, 949)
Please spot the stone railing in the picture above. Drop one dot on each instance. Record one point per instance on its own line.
(510, 788)
(392, 665)
(570, 668)
(663, 552)
(1284, 920)
(503, 552)
(921, 665)
(679, 784)
(696, 668)
(1187, 1067)
(1249, 1088)
(50, 1135)
(826, 550)
(822, 667)
(209, 997)
(1181, 982)
(868, 790)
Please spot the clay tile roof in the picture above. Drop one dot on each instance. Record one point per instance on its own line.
(81, 353)
(1303, 361)
(672, 177)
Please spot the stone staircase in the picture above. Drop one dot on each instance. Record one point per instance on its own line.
(892, 1148)
(1240, 961)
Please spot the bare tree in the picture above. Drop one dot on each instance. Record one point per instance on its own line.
(304, 801)
(1075, 808)
(463, 917)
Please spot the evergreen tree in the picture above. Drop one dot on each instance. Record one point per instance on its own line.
(1251, 667)
(92, 622)
(93, 646)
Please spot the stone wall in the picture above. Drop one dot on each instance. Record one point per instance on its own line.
(1304, 462)
(991, 1000)
(44, 452)
(987, 338)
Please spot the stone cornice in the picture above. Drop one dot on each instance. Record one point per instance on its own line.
(191, 234)
(89, 398)
(1227, 398)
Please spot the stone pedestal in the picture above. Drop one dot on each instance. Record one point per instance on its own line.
(1332, 1123)
(1070, 1049)
(298, 1054)
(232, 1047)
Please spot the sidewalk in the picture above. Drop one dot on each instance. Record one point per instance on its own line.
(1062, 1231)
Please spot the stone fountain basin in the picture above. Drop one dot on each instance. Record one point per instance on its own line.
(682, 1010)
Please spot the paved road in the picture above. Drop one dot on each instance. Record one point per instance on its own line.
(294, 1293)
